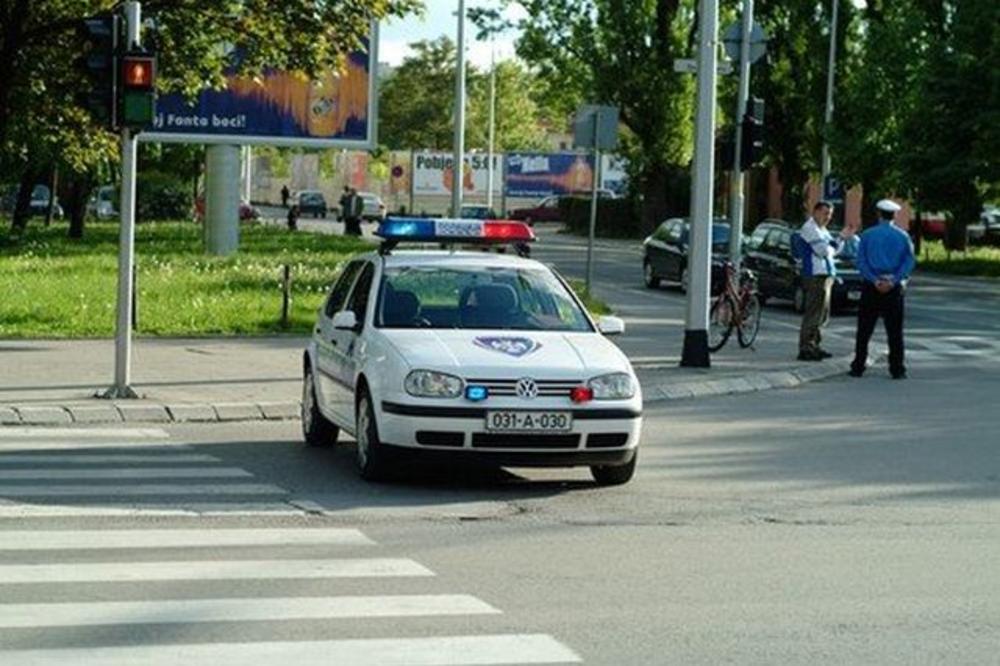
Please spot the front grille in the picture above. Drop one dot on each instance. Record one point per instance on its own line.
(607, 440)
(531, 441)
(438, 438)
(547, 388)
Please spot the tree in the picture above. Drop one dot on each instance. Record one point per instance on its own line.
(38, 42)
(621, 53)
(417, 102)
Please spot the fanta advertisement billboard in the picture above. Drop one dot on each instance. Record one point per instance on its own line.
(281, 108)
(434, 173)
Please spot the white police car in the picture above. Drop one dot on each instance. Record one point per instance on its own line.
(467, 355)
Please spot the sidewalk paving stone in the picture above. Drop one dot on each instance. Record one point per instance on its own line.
(237, 411)
(105, 413)
(44, 415)
(151, 413)
(182, 413)
(278, 411)
(9, 416)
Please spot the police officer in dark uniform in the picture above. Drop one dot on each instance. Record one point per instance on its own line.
(885, 260)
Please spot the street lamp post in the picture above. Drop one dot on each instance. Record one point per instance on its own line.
(828, 116)
(459, 168)
(492, 135)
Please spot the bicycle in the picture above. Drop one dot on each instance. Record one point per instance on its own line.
(737, 306)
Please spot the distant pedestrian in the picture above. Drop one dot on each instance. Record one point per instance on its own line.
(284, 196)
(352, 217)
(818, 251)
(885, 260)
(293, 217)
(344, 201)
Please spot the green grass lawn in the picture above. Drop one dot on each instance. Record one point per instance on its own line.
(981, 261)
(54, 287)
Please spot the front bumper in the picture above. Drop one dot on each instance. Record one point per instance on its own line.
(600, 435)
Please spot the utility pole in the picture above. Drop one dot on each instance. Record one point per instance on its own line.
(736, 196)
(695, 352)
(493, 111)
(459, 169)
(593, 201)
(126, 244)
(828, 116)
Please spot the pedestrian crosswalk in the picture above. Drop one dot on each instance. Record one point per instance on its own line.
(152, 576)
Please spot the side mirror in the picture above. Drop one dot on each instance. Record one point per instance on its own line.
(345, 320)
(611, 325)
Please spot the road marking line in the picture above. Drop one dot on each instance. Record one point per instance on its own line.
(169, 611)
(15, 510)
(145, 490)
(490, 650)
(16, 432)
(184, 538)
(117, 572)
(104, 459)
(123, 473)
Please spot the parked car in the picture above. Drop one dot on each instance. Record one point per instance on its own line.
(102, 202)
(312, 202)
(40, 202)
(779, 275)
(665, 253)
(547, 210)
(477, 212)
(248, 211)
(987, 230)
(373, 210)
(933, 225)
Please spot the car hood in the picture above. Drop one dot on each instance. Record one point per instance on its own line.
(508, 354)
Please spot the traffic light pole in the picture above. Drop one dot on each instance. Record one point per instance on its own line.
(736, 197)
(126, 244)
(695, 351)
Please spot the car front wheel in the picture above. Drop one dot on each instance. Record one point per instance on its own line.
(317, 430)
(614, 475)
(372, 464)
(649, 276)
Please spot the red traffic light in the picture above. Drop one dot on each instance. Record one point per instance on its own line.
(138, 72)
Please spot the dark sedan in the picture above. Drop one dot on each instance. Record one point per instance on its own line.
(779, 274)
(665, 253)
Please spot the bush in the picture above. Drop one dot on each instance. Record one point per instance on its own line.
(616, 218)
(161, 196)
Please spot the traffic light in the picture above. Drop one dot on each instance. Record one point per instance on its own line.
(137, 97)
(752, 136)
(97, 66)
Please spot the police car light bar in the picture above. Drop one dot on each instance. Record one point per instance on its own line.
(450, 230)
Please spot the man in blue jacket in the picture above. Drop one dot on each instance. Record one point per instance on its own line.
(885, 260)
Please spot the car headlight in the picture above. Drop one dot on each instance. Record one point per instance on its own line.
(430, 384)
(615, 386)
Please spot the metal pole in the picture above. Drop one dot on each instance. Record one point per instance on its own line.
(459, 169)
(695, 352)
(828, 116)
(736, 197)
(593, 202)
(222, 200)
(493, 110)
(126, 241)
(247, 172)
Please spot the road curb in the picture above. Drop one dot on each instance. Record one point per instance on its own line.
(230, 412)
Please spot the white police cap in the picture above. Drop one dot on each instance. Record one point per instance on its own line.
(889, 206)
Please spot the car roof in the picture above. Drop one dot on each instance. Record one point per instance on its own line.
(457, 258)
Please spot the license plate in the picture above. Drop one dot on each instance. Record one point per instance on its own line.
(854, 295)
(529, 421)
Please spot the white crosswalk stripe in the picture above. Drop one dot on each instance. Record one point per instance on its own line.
(52, 474)
(178, 538)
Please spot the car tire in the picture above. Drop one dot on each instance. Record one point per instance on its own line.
(614, 475)
(649, 277)
(371, 455)
(799, 299)
(317, 430)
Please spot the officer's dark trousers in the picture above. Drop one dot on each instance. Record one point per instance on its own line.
(889, 306)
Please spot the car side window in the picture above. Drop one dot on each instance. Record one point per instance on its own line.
(358, 303)
(783, 241)
(338, 294)
(756, 239)
(550, 203)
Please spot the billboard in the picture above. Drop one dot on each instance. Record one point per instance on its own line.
(535, 175)
(280, 109)
(434, 173)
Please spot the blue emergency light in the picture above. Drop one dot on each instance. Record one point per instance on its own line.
(453, 230)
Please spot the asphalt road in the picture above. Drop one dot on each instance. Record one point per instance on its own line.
(849, 521)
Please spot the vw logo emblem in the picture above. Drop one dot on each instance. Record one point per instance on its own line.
(526, 388)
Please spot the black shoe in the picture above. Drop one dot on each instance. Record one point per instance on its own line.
(899, 375)
(824, 353)
(854, 372)
(809, 356)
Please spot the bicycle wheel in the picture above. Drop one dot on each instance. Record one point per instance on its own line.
(746, 331)
(720, 322)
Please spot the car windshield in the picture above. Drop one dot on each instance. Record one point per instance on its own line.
(311, 197)
(510, 298)
(720, 237)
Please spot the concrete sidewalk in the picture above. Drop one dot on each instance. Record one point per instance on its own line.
(51, 382)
